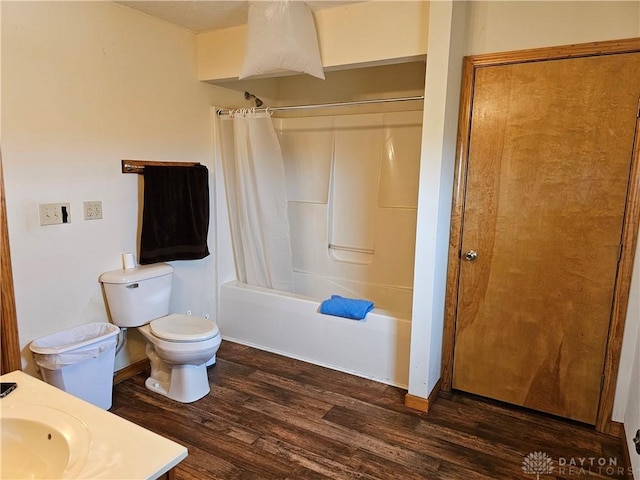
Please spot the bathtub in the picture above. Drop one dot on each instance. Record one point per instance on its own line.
(288, 324)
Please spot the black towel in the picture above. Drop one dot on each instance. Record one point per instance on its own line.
(175, 216)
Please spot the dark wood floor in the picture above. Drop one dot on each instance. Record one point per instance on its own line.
(271, 417)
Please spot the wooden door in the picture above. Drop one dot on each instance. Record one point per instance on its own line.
(549, 161)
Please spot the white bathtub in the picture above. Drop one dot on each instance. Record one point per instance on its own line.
(288, 324)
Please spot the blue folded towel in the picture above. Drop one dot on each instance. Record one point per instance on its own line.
(346, 307)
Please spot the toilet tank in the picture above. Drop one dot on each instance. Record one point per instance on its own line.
(136, 296)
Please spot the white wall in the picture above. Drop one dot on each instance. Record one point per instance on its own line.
(626, 407)
(626, 380)
(1, 79)
(632, 413)
(499, 26)
(86, 84)
(447, 27)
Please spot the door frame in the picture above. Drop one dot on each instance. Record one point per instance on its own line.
(630, 225)
(9, 342)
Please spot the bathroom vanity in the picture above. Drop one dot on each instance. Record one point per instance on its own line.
(48, 433)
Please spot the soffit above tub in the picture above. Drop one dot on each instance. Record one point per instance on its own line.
(361, 34)
(208, 15)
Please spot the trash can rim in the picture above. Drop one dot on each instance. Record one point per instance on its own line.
(111, 330)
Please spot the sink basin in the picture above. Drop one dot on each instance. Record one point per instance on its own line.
(41, 442)
(46, 432)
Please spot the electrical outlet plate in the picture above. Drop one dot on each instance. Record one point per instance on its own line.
(54, 213)
(92, 210)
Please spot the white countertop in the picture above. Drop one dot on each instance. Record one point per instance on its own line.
(119, 449)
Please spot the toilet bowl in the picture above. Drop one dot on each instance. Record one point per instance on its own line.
(180, 347)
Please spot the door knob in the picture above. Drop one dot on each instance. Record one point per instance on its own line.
(470, 255)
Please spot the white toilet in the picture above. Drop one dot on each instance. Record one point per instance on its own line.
(180, 346)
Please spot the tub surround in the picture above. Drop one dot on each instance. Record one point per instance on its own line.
(352, 192)
(119, 448)
(351, 182)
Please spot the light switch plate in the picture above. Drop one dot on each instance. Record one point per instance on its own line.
(54, 213)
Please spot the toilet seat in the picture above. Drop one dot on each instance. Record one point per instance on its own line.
(183, 328)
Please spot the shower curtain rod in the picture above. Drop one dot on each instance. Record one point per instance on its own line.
(226, 111)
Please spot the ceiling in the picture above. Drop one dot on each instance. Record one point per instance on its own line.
(205, 15)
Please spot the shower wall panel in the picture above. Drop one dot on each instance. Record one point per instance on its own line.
(352, 185)
(358, 142)
(307, 145)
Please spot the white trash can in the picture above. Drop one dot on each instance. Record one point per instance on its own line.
(80, 361)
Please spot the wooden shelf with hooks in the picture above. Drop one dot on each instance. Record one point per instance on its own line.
(137, 166)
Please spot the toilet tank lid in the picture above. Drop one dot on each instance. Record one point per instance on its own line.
(137, 274)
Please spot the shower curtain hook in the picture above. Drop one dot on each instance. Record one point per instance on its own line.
(268, 111)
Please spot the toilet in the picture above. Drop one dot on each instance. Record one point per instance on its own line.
(180, 347)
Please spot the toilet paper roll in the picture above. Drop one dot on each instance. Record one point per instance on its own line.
(128, 261)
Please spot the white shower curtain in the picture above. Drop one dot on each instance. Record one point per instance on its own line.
(256, 196)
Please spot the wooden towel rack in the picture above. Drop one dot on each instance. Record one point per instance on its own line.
(137, 166)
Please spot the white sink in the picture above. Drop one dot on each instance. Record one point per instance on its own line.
(48, 433)
(41, 442)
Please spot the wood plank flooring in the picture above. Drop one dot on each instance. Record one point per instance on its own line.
(272, 417)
